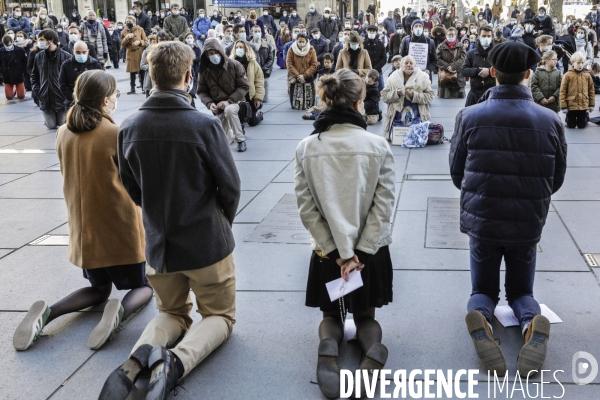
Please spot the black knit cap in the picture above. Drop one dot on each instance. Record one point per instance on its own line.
(513, 57)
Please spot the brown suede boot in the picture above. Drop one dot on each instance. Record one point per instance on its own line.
(533, 352)
(488, 351)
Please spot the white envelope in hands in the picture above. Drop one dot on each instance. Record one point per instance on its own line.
(339, 287)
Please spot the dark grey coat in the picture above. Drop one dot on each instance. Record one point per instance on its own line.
(176, 163)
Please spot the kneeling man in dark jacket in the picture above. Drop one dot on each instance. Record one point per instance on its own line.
(72, 68)
(507, 169)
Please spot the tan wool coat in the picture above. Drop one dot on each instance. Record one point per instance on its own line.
(364, 61)
(134, 53)
(105, 225)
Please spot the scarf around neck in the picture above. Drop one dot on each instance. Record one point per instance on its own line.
(300, 52)
(93, 26)
(338, 115)
(580, 42)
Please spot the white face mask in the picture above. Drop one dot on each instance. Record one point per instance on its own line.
(73, 38)
(316, 36)
(175, 12)
(11, 35)
(451, 39)
(42, 45)
(301, 45)
(372, 35)
(42, 16)
(17, 14)
(189, 41)
(109, 111)
(485, 42)
(418, 31)
(354, 46)
(19, 39)
(201, 15)
(239, 52)
(215, 59)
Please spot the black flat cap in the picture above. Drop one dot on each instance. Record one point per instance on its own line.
(513, 57)
(371, 28)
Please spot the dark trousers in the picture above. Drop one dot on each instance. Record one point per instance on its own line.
(473, 97)
(142, 75)
(115, 60)
(256, 116)
(132, 76)
(520, 263)
(577, 119)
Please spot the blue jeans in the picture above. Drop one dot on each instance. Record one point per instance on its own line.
(486, 259)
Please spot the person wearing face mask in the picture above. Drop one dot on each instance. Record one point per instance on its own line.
(17, 22)
(200, 28)
(525, 168)
(376, 51)
(115, 49)
(97, 202)
(43, 22)
(543, 23)
(507, 30)
(74, 18)
(240, 33)
(13, 67)
(142, 19)
(161, 18)
(354, 57)
(428, 23)
(153, 18)
(53, 18)
(71, 69)
(265, 57)
(153, 41)
(545, 43)
(583, 46)
(450, 59)
(312, 18)
(227, 36)
(285, 18)
(498, 37)
(63, 37)
(438, 34)
(295, 20)
(74, 36)
(134, 40)
(343, 36)
(175, 25)
(243, 54)
(396, 40)
(284, 38)
(477, 67)
(328, 29)
(252, 21)
(408, 87)
(268, 20)
(302, 67)
(319, 44)
(340, 150)
(221, 27)
(216, 19)
(222, 84)
(94, 35)
(417, 36)
(529, 35)
(44, 78)
(497, 9)
(409, 19)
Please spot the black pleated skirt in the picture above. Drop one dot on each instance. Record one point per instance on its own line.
(377, 276)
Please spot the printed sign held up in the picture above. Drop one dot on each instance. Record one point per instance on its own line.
(419, 52)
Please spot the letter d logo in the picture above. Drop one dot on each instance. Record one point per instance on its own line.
(583, 367)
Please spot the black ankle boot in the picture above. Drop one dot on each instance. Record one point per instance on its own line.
(132, 91)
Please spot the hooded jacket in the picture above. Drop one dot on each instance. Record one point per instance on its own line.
(226, 81)
(507, 168)
(577, 91)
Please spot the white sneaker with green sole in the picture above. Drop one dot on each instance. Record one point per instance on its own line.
(108, 326)
(30, 328)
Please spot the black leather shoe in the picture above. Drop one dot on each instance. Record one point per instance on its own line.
(164, 373)
(242, 146)
(119, 383)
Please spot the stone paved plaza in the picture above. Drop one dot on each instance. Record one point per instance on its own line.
(272, 352)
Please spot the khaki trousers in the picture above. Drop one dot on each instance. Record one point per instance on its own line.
(214, 288)
(231, 123)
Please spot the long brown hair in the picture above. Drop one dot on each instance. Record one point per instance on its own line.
(91, 88)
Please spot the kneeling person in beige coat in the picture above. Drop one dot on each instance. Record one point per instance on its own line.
(106, 235)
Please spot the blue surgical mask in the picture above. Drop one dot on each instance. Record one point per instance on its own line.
(241, 36)
(257, 36)
(485, 42)
(580, 36)
(81, 58)
(418, 31)
(239, 52)
(354, 46)
(215, 59)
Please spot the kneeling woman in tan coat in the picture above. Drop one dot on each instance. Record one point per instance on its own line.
(354, 57)
(106, 234)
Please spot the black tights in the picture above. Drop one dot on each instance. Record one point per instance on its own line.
(94, 295)
(368, 331)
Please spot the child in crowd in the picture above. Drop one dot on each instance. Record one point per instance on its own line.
(396, 61)
(595, 72)
(372, 111)
(328, 68)
(574, 102)
(545, 84)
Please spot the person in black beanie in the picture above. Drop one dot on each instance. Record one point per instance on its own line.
(507, 170)
(417, 36)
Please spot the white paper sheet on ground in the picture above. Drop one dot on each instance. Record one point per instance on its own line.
(507, 318)
(339, 287)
